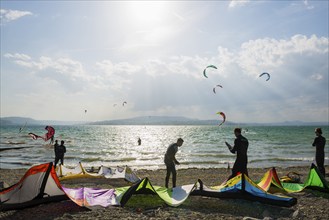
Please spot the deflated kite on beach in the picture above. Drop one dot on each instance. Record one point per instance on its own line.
(315, 180)
(79, 171)
(242, 187)
(40, 184)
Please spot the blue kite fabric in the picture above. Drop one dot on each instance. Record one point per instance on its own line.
(242, 187)
(47, 188)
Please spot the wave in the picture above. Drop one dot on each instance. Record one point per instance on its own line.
(282, 159)
(204, 162)
(211, 156)
(17, 163)
(14, 143)
(150, 159)
(11, 148)
(125, 159)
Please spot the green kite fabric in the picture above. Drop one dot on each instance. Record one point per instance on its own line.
(46, 187)
(315, 180)
(242, 187)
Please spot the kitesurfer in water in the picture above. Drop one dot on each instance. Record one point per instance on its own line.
(51, 140)
(171, 161)
(139, 141)
(319, 143)
(60, 150)
(240, 148)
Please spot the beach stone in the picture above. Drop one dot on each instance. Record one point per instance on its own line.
(295, 214)
(3, 185)
(68, 216)
(172, 218)
(249, 218)
(285, 213)
(266, 214)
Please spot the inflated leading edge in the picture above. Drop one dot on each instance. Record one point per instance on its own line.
(40, 184)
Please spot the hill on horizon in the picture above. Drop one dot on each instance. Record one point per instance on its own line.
(148, 120)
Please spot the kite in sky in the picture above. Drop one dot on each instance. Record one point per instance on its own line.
(210, 66)
(224, 117)
(48, 135)
(214, 89)
(123, 104)
(268, 75)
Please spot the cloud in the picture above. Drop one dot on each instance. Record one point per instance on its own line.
(299, 80)
(68, 73)
(178, 81)
(268, 54)
(317, 76)
(122, 67)
(11, 15)
(307, 5)
(114, 76)
(238, 3)
(18, 56)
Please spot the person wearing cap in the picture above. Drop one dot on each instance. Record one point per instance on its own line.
(170, 161)
(319, 143)
(240, 148)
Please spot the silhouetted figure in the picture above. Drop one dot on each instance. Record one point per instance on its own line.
(319, 143)
(60, 150)
(240, 148)
(170, 161)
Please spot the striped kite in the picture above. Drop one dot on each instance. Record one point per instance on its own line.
(224, 117)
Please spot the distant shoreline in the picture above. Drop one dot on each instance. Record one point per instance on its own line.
(150, 120)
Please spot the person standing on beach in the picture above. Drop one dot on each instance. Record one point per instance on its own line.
(319, 143)
(170, 161)
(60, 150)
(240, 148)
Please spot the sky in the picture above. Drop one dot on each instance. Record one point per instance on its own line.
(80, 60)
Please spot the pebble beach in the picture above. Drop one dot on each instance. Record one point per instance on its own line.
(311, 204)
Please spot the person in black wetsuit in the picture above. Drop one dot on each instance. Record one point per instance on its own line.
(60, 150)
(170, 161)
(319, 143)
(240, 148)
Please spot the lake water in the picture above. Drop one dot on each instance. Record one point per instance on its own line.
(204, 146)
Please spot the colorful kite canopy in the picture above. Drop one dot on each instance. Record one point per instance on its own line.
(268, 75)
(48, 135)
(210, 66)
(224, 117)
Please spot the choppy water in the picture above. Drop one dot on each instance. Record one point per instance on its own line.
(204, 146)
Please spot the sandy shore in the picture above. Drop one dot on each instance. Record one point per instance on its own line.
(310, 205)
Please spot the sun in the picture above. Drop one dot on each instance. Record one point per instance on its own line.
(147, 14)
